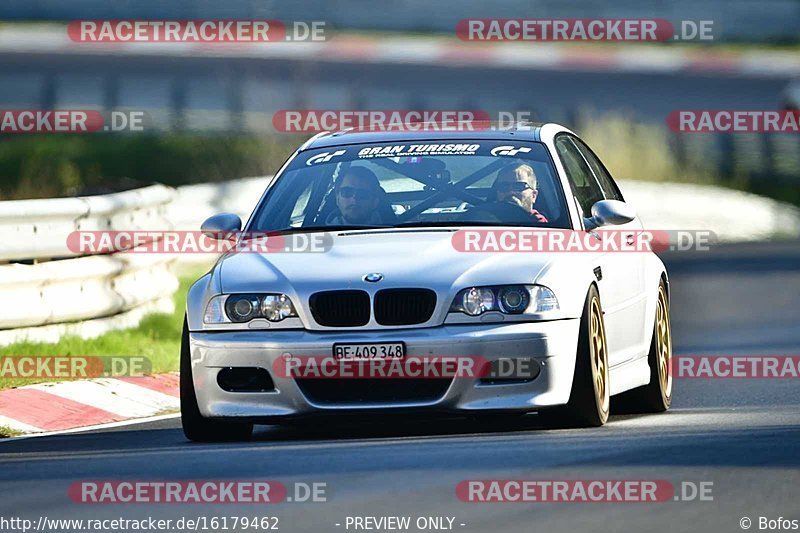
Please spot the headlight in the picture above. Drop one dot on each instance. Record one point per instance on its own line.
(476, 301)
(276, 307)
(507, 299)
(240, 308)
(543, 300)
(243, 307)
(513, 300)
(215, 311)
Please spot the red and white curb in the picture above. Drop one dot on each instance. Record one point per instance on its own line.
(47, 407)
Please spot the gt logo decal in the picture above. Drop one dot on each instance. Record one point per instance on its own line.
(324, 157)
(509, 150)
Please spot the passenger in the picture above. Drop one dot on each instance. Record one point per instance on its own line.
(517, 184)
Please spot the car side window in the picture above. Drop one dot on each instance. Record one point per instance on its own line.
(580, 176)
(610, 189)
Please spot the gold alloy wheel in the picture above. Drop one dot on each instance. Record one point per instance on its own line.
(599, 354)
(664, 343)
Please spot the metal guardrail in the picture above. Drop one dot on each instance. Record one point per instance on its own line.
(38, 229)
(60, 293)
(82, 288)
(54, 286)
(194, 203)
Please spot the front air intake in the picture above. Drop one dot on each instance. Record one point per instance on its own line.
(340, 309)
(404, 307)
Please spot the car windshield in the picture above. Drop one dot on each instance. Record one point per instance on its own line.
(410, 184)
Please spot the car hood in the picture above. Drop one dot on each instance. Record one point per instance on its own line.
(405, 258)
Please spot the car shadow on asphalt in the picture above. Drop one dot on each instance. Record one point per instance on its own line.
(396, 427)
(658, 445)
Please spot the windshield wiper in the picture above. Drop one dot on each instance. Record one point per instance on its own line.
(317, 229)
(356, 227)
(456, 223)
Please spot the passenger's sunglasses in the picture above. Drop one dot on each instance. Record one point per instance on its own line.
(359, 194)
(515, 186)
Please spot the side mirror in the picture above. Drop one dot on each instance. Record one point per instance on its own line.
(221, 226)
(609, 213)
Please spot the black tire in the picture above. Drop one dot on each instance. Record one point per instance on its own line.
(656, 396)
(196, 427)
(588, 406)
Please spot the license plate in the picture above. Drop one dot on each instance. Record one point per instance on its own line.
(378, 350)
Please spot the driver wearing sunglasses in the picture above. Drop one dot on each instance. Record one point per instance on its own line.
(357, 197)
(517, 184)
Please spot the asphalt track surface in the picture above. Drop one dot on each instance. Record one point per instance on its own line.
(742, 435)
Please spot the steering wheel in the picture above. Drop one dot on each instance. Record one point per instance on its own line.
(503, 212)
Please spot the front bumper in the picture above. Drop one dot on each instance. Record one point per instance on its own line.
(552, 344)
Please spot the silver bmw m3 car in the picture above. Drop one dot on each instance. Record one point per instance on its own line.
(449, 272)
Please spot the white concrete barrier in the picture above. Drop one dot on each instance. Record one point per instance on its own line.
(49, 291)
(83, 288)
(734, 216)
(195, 203)
(38, 229)
(43, 283)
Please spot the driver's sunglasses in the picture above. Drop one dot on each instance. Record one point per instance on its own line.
(515, 186)
(360, 194)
